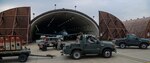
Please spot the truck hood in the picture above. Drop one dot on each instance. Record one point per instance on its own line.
(107, 42)
(144, 40)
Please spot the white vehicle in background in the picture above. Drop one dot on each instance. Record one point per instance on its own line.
(45, 42)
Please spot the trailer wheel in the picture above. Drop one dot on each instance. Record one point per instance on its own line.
(40, 48)
(44, 48)
(23, 58)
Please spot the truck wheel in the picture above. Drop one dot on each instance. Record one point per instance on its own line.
(143, 46)
(44, 48)
(1, 58)
(122, 45)
(107, 53)
(23, 58)
(61, 46)
(76, 54)
(40, 48)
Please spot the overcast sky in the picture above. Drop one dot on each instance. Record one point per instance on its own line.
(123, 9)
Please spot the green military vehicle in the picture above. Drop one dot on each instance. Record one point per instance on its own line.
(89, 45)
(132, 40)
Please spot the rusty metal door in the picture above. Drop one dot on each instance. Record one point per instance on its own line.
(110, 27)
(15, 22)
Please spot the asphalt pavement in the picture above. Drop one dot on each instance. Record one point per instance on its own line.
(128, 55)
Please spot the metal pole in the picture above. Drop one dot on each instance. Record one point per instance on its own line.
(55, 6)
(93, 17)
(28, 27)
(75, 7)
(33, 15)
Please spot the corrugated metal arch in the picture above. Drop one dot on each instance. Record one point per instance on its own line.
(15, 21)
(110, 27)
(147, 31)
(80, 23)
(139, 27)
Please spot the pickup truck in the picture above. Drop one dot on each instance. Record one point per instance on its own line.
(132, 40)
(89, 45)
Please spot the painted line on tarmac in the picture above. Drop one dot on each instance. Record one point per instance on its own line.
(133, 58)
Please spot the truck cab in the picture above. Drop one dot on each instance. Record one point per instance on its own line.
(89, 45)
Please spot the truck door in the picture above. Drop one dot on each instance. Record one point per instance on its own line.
(132, 40)
(91, 46)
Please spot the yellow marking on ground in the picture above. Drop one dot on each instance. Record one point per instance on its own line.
(147, 62)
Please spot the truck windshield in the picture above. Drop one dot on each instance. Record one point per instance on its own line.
(91, 39)
(132, 36)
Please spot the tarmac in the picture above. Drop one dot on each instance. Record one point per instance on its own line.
(128, 55)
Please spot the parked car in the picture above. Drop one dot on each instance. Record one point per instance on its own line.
(132, 40)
